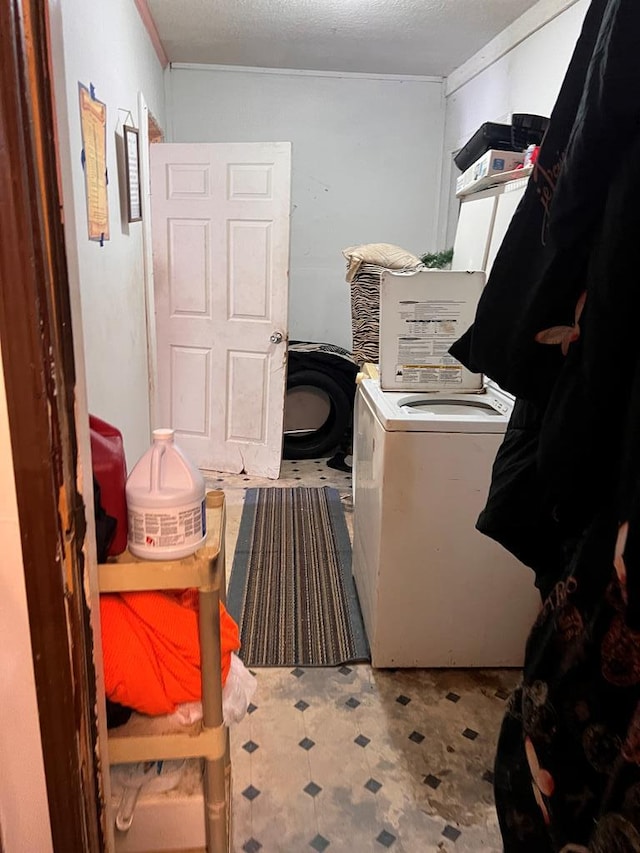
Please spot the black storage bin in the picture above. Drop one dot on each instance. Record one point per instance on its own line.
(490, 135)
(527, 129)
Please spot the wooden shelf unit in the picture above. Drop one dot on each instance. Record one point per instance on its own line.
(209, 740)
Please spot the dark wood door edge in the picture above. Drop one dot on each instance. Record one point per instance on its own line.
(37, 349)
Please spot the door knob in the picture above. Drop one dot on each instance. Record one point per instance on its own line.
(276, 338)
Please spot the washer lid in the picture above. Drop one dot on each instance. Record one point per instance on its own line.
(438, 411)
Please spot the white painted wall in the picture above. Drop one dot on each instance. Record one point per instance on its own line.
(366, 167)
(525, 78)
(24, 811)
(106, 44)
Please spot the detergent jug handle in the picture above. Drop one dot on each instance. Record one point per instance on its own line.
(161, 438)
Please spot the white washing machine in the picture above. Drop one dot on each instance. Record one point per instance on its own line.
(434, 592)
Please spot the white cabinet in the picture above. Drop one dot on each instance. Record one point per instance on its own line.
(506, 204)
(482, 224)
(473, 233)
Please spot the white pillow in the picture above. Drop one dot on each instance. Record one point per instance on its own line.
(382, 254)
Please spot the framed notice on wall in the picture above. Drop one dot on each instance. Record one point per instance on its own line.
(93, 121)
(132, 163)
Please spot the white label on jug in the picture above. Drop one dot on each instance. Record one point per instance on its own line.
(155, 528)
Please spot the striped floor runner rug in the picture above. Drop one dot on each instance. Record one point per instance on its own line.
(291, 589)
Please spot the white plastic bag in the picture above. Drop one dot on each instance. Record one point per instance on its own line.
(187, 713)
(127, 780)
(237, 692)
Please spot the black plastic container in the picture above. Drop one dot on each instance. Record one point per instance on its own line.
(490, 135)
(527, 129)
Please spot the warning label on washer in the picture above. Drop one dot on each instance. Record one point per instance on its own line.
(432, 327)
(416, 374)
(421, 317)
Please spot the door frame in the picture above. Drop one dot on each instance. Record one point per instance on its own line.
(145, 122)
(40, 376)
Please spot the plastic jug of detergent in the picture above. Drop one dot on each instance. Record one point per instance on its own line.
(165, 502)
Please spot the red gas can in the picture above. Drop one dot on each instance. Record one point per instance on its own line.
(110, 470)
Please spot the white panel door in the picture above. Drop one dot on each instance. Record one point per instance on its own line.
(508, 200)
(472, 235)
(220, 221)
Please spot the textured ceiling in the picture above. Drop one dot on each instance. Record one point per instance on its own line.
(430, 37)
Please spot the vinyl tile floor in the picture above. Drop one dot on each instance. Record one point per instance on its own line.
(356, 759)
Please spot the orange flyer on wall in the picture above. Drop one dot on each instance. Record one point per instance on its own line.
(93, 118)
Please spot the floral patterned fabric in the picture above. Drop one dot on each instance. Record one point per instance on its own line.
(557, 326)
(567, 769)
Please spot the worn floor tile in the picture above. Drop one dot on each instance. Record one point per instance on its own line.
(398, 811)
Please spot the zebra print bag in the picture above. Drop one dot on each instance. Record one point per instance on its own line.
(365, 313)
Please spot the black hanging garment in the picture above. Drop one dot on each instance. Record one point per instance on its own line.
(556, 326)
(105, 525)
(117, 714)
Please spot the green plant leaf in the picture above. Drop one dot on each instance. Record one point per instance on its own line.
(437, 260)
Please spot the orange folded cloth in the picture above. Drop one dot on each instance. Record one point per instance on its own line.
(151, 649)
